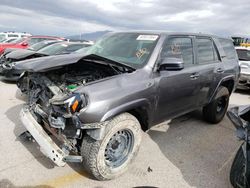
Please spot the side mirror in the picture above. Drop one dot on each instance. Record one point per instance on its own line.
(24, 44)
(171, 63)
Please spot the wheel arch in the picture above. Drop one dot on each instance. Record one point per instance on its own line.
(228, 82)
(138, 108)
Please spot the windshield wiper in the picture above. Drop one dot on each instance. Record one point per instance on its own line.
(109, 61)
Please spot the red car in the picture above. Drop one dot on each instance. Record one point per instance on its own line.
(26, 42)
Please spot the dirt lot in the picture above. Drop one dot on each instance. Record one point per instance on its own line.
(184, 152)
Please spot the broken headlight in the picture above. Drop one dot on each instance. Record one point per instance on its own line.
(73, 103)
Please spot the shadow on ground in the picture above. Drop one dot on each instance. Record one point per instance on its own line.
(202, 152)
(5, 183)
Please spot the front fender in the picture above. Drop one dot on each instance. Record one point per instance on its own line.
(126, 107)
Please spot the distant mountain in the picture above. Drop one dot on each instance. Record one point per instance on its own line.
(88, 36)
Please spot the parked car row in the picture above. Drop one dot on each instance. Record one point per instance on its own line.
(11, 35)
(47, 47)
(25, 42)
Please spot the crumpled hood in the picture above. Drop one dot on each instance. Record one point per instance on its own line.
(19, 54)
(44, 64)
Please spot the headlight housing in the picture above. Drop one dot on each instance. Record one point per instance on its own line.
(73, 103)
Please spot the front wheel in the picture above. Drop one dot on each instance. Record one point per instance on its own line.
(215, 110)
(108, 158)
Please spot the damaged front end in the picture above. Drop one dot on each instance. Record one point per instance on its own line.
(53, 108)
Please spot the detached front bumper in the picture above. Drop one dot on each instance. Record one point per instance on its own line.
(47, 145)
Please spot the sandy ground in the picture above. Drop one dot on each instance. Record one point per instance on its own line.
(183, 152)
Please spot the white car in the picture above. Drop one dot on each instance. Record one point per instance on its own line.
(10, 35)
(244, 60)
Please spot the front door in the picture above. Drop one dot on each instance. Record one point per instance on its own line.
(178, 89)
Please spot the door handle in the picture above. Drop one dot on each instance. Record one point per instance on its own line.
(194, 76)
(220, 70)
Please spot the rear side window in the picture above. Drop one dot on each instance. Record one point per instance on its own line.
(206, 52)
(179, 47)
(228, 48)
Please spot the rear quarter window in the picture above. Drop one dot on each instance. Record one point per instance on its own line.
(228, 48)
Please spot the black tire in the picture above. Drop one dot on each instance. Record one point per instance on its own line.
(238, 169)
(215, 110)
(100, 156)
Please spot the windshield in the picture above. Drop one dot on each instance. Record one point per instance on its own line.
(19, 40)
(132, 49)
(11, 40)
(61, 48)
(243, 55)
(52, 49)
(82, 50)
(40, 45)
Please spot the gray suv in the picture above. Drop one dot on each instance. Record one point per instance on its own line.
(96, 103)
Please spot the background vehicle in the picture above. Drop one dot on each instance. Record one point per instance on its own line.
(10, 40)
(244, 60)
(12, 35)
(98, 102)
(50, 48)
(240, 170)
(33, 48)
(241, 41)
(24, 43)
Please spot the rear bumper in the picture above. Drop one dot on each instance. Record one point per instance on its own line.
(47, 145)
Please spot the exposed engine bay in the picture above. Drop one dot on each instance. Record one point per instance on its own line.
(53, 103)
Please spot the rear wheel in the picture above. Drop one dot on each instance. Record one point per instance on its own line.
(215, 111)
(108, 158)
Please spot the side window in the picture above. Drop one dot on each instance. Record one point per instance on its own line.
(228, 48)
(179, 47)
(206, 52)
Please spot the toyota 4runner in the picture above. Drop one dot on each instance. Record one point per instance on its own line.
(96, 104)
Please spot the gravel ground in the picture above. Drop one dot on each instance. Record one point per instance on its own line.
(183, 152)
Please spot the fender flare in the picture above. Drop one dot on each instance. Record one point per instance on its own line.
(125, 107)
(98, 133)
(215, 93)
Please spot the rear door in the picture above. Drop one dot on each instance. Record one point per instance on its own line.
(209, 68)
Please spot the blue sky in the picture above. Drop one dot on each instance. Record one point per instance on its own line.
(64, 17)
